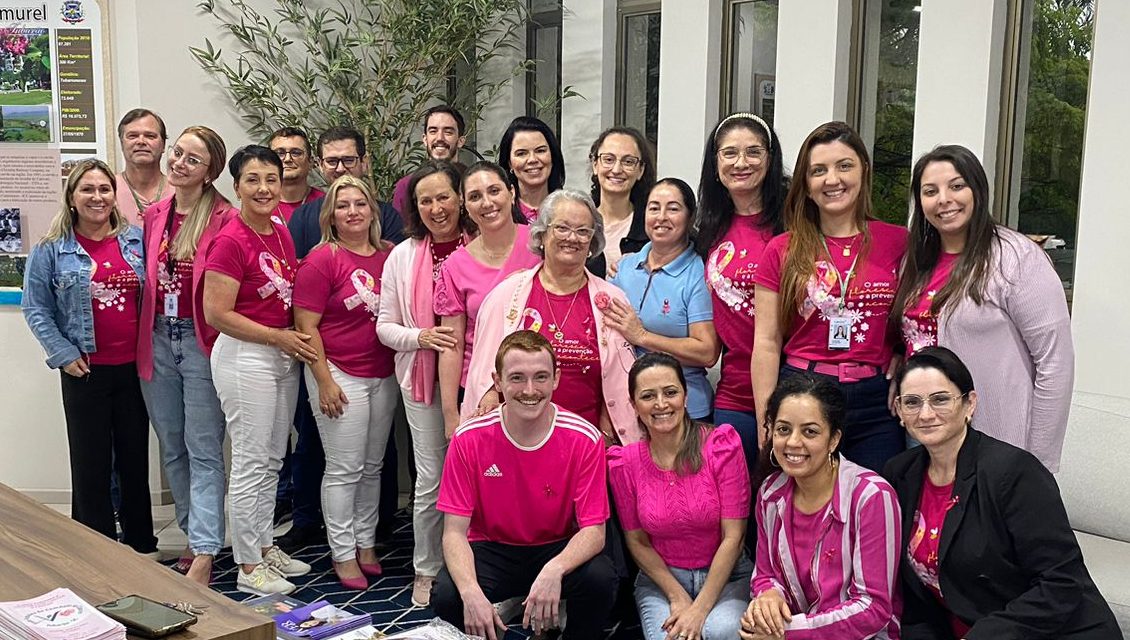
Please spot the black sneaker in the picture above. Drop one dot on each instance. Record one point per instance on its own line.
(383, 535)
(299, 537)
(284, 510)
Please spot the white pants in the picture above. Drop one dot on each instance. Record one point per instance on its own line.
(355, 449)
(258, 390)
(429, 447)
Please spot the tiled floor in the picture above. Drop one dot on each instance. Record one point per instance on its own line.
(387, 599)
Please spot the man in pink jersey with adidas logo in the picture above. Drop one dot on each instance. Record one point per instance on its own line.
(525, 501)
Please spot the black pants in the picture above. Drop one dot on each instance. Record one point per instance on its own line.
(106, 420)
(506, 571)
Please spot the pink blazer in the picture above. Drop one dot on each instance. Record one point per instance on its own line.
(156, 217)
(500, 315)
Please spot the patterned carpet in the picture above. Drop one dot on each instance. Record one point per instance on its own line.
(388, 598)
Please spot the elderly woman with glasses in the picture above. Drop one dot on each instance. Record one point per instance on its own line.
(561, 300)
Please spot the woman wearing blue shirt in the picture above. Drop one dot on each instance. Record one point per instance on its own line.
(671, 308)
(82, 286)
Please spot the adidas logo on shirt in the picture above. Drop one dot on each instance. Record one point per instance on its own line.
(492, 472)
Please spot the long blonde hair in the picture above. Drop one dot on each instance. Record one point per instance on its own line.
(184, 246)
(326, 217)
(63, 224)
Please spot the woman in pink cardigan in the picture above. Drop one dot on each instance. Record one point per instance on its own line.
(828, 529)
(992, 296)
(174, 344)
(560, 299)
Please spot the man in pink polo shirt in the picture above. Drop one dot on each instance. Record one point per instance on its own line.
(525, 501)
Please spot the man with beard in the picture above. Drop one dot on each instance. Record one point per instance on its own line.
(142, 136)
(297, 157)
(524, 497)
(443, 138)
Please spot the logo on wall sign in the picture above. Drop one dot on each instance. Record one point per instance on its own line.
(72, 11)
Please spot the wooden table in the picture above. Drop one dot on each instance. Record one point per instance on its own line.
(41, 550)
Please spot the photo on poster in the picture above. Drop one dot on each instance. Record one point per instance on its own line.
(25, 66)
(12, 271)
(19, 123)
(11, 240)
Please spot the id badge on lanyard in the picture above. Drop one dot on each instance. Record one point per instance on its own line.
(839, 325)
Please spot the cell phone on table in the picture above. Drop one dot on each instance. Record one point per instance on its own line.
(144, 617)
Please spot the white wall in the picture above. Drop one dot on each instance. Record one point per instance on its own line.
(588, 65)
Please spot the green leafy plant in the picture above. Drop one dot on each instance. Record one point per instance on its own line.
(375, 65)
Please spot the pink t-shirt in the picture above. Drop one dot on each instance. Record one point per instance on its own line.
(578, 355)
(174, 277)
(263, 265)
(134, 208)
(919, 326)
(531, 213)
(682, 514)
(870, 294)
(805, 531)
(925, 539)
(464, 282)
(346, 289)
(285, 210)
(729, 273)
(115, 292)
(525, 496)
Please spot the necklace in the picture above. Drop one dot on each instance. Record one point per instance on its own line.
(142, 203)
(847, 246)
(281, 258)
(437, 261)
(558, 328)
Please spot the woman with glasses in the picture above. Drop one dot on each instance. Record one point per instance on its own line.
(741, 192)
(534, 165)
(471, 271)
(824, 291)
(827, 528)
(248, 287)
(670, 304)
(622, 174)
(175, 343)
(563, 301)
(992, 295)
(82, 288)
(989, 550)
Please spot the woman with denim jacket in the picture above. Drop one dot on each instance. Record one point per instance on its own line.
(82, 287)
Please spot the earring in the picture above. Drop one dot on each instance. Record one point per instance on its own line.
(968, 421)
(773, 460)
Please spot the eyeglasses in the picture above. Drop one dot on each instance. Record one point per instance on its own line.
(562, 232)
(297, 154)
(754, 155)
(942, 403)
(176, 154)
(346, 161)
(608, 160)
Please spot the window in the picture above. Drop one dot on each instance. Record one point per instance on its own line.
(637, 88)
(543, 46)
(750, 66)
(889, 69)
(1038, 181)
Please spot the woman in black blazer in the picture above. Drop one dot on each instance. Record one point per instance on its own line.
(989, 553)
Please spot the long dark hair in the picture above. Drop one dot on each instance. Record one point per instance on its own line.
(833, 407)
(507, 179)
(688, 459)
(642, 187)
(530, 123)
(971, 271)
(716, 207)
(414, 226)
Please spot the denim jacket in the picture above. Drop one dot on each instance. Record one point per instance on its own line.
(56, 302)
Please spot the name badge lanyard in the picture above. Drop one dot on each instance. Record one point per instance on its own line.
(839, 326)
(171, 300)
(845, 278)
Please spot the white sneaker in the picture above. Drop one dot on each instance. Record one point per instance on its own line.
(284, 564)
(265, 580)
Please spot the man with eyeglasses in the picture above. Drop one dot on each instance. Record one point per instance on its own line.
(293, 147)
(142, 136)
(342, 151)
(444, 136)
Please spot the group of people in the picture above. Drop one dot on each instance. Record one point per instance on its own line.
(550, 349)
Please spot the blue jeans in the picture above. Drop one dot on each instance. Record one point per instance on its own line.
(186, 415)
(745, 423)
(724, 619)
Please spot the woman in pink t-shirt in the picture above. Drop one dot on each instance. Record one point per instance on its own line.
(824, 290)
(472, 271)
(247, 297)
(174, 343)
(742, 189)
(828, 529)
(337, 296)
(682, 496)
(992, 296)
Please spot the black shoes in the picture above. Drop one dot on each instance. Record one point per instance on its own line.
(299, 537)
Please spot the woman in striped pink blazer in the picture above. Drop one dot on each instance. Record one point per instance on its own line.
(828, 529)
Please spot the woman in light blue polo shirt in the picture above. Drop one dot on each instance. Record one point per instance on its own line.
(671, 308)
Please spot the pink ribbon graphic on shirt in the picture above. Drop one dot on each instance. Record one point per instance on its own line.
(363, 284)
(820, 296)
(276, 281)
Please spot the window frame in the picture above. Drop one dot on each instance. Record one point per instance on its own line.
(546, 19)
(625, 10)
